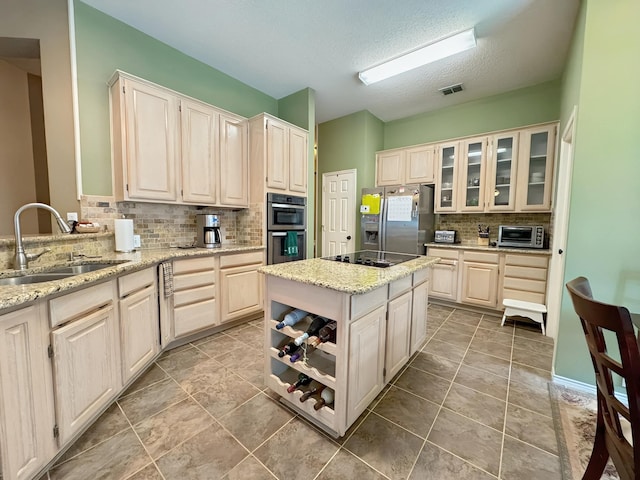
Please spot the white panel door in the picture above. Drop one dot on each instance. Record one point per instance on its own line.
(338, 212)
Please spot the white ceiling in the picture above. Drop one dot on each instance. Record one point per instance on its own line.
(280, 47)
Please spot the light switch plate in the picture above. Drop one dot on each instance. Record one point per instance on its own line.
(136, 241)
(72, 216)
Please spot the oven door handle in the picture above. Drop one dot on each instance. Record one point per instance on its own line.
(286, 205)
(283, 234)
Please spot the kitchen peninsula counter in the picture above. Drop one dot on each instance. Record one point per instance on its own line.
(486, 248)
(380, 317)
(17, 295)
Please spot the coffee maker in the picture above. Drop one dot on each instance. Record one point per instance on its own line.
(208, 231)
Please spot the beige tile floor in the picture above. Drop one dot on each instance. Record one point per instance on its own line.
(473, 404)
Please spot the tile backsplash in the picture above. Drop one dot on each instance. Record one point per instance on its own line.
(467, 224)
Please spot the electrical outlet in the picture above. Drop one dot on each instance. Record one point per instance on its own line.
(72, 216)
(136, 241)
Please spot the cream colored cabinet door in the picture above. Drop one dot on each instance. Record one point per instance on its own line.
(298, 160)
(139, 331)
(390, 168)
(535, 169)
(479, 283)
(366, 361)
(502, 173)
(277, 155)
(240, 291)
(26, 393)
(234, 161)
(199, 144)
(398, 343)
(420, 164)
(419, 316)
(151, 126)
(447, 178)
(473, 166)
(444, 280)
(86, 367)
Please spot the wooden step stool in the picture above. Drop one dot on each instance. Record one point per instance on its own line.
(520, 308)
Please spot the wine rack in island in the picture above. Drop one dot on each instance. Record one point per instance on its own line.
(368, 338)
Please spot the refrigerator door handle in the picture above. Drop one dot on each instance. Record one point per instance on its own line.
(382, 226)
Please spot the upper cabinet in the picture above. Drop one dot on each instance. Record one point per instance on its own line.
(501, 174)
(279, 157)
(447, 179)
(472, 175)
(535, 169)
(406, 166)
(169, 148)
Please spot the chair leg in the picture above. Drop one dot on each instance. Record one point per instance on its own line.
(599, 454)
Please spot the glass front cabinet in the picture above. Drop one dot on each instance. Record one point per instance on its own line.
(447, 181)
(472, 182)
(535, 169)
(501, 178)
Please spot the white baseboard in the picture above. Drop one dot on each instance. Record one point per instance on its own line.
(585, 387)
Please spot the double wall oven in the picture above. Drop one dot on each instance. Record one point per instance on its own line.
(286, 216)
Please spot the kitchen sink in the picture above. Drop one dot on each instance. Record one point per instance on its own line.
(56, 273)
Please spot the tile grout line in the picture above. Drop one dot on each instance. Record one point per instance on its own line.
(504, 425)
(435, 419)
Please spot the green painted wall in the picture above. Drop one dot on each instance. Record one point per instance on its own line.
(605, 197)
(105, 44)
(300, 109)
(525, 106)
(345, 143)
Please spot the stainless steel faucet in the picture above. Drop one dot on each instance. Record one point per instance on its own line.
(21, 259)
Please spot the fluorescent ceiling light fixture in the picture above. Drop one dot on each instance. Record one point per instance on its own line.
(441, 49)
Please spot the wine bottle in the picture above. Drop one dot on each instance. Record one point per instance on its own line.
(326, 398)
(302, 381)
(326, 334)
(291, 318)
(313, 329)
(317, 390)
(288, 349)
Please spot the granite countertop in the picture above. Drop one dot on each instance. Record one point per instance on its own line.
(471, 246)
(15, 295)
(345, 277)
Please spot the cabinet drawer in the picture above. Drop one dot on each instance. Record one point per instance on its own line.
(420, 276)
(361, 304)
(399, 286)
(527, 260)
(443, 253)
(238, 259)
(194, 317)
(194, 295)
(68, 307)
(535, 286)
(191, 280)
(525, 272)
(524, 296)
(136, 281)
(481, 257)
(193, 265)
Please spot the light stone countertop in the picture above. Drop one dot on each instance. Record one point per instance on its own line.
(16, 295)
(482, 248)
(345, 277)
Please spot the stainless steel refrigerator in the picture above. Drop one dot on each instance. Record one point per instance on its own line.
(397, 219)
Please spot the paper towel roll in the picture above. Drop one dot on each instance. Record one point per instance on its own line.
(124, 235)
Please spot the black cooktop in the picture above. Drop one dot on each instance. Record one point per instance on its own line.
(373, 258)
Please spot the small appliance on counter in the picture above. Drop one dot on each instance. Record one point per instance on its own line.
(446, 236)
(524, 236)
(208, 231)
(124, 234)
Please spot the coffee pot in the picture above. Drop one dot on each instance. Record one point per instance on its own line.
(208, 231)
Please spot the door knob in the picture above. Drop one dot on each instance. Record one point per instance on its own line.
(348, 237)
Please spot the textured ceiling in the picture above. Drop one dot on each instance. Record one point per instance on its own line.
(280, 47)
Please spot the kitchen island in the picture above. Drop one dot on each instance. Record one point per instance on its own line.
(380, 316)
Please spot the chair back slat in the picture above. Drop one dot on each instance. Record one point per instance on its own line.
(596, 318)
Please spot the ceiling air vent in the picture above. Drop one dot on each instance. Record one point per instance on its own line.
(451, 89)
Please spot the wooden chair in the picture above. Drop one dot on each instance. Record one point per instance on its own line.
(612, 433)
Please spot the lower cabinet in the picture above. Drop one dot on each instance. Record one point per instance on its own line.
(240, 285)
(419, 314)
(480, 278)
(444, 275)
(398, 342)
(525, 278)
(86, 356)
(27, 440)
(139, 333)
